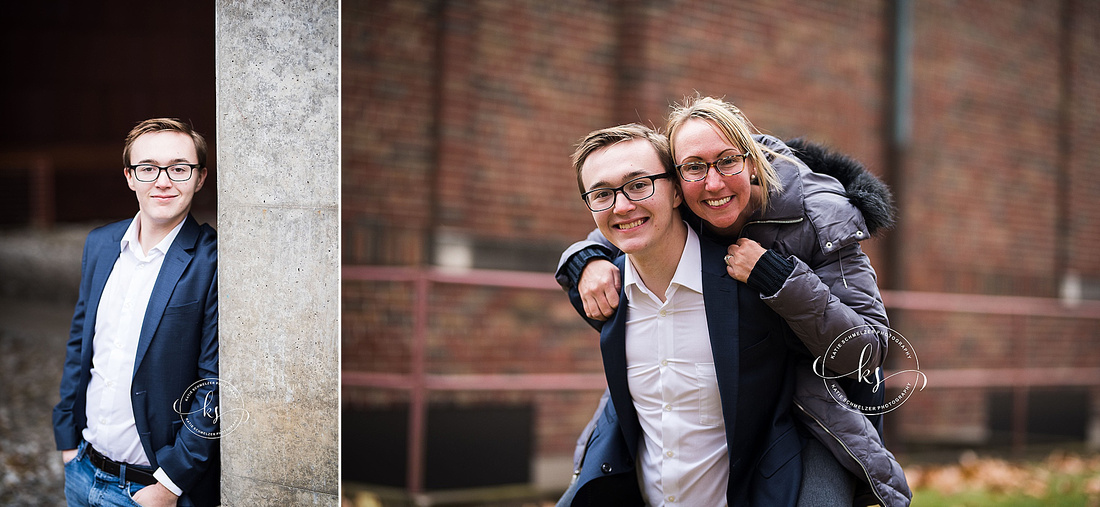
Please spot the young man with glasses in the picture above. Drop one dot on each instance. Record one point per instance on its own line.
(136, 421)
(697, 367)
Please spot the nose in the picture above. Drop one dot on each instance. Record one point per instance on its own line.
(623, 206)
(163, 180)
(713, 181)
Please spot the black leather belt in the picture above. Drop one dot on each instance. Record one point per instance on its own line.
(134, 473)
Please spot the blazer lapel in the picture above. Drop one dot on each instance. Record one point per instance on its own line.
(720, 301)
(175, 262)
(613, 349)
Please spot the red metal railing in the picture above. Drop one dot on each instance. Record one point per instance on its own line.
(419, 382)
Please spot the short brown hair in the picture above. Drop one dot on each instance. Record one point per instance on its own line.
(164, 125)
(603, 138)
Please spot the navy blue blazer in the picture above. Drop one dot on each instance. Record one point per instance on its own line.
(754, 365)
(178, 346)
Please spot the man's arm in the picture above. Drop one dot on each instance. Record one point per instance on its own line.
(66, 432)
(185, 461)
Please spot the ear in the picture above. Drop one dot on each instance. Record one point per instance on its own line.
(677, 196)
(201, 179)
(130, 182)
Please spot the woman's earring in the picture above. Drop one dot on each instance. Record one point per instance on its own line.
(753, 179)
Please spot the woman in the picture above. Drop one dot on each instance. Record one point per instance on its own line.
(793, 235)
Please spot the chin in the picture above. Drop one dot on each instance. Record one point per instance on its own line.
(718, 218)
(630, 246)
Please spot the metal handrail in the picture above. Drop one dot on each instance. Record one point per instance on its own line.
(418, 382)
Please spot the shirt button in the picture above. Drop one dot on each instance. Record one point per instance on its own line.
(102, 420)
(671, 498)
(670, 454)
(110, 383)
(668, 408)
(664, 362)
(663, 313)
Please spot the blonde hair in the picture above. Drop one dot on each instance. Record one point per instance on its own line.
(737, 129)
(603, 138)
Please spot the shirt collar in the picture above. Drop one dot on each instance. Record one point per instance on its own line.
(688, 271)
(130, 238)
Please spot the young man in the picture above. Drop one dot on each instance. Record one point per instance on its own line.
(134, 421)
(697, 366)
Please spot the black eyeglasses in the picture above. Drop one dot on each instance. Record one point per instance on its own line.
(149, 172)
(600, 199)
(695, 171)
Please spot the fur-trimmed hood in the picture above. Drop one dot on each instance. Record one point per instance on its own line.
(863, 189)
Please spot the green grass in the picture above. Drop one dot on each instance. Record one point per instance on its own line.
(931, 498)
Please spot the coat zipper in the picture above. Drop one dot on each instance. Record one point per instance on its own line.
(741, 234)
(874, 490)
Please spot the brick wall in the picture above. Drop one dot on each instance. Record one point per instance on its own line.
(1082, 155)
(986, 112)
(460, 116)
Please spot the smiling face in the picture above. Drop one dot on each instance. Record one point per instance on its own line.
(164, 203)
(724, 203)
(635, 227)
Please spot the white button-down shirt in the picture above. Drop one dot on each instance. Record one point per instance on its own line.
(111, 428)
(670, 371)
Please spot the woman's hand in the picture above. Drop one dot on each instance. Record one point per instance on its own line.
(741, 259)
(599, 289)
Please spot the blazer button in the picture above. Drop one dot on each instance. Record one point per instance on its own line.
(606, 467)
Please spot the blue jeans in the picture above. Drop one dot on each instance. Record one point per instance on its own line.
(86, 485)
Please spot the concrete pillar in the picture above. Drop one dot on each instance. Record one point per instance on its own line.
(278, 133)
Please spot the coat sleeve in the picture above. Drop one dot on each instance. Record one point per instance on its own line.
(576, 257)
(66, 431)
(832, 299)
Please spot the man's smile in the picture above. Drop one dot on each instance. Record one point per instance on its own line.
(631, 225)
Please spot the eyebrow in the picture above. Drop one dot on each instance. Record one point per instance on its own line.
(629, 176)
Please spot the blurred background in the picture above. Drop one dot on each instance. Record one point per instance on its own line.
(466, 374)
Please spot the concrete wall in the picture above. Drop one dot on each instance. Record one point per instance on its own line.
(278, 138)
